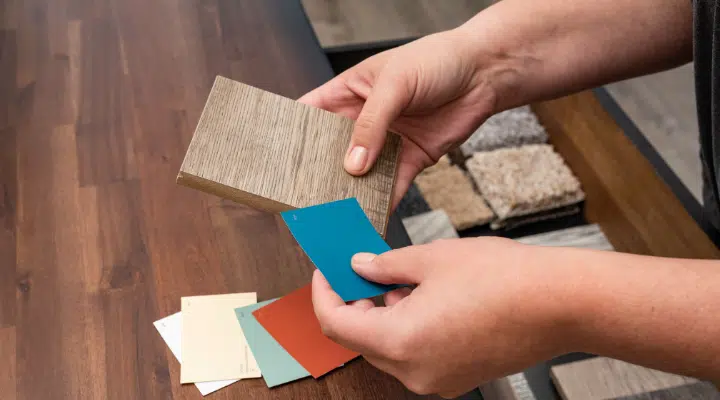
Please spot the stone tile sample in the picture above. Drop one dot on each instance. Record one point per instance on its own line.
(448, 188)
(606, 378)
(524, 180)
(429, 226)
(511, 128)
(586, 237)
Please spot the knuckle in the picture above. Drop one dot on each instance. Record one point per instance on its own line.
(402, 348)
(364, 124)
(328, 329)
(419, 386)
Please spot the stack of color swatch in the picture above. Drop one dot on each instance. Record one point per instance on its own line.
(228, 337)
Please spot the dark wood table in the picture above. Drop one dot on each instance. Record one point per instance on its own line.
(100, 99)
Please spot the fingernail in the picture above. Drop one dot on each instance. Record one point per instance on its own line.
(355, 161)
(361, 259)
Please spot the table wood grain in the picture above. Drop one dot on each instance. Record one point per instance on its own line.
(99, 102)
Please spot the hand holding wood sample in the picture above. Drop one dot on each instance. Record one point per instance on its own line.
(276, 154)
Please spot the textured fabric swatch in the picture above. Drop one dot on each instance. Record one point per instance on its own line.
(511, 128)
(412, 203)
(448, 188)
(524, 180)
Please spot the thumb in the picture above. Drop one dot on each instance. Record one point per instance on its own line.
(388, 98)
(403, 266)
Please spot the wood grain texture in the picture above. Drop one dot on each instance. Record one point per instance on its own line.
(651, 221)
(347, 22)
(604, 378)
(275, 154)
(513, 387)
(662, 106)
(427, 227)
(585, 237)
(98, 101)
(7, 366)
(691, 391)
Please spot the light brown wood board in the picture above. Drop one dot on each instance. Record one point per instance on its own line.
(275, 154)
(606, 378)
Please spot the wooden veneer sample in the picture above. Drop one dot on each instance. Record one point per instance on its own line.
(606, 378)
(275, 154)
(584, 237)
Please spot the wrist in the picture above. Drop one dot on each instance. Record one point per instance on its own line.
(498, 64)
(567, 296)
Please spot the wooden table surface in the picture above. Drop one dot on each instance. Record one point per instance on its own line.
(99, 102)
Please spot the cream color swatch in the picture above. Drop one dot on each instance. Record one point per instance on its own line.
(213, 344)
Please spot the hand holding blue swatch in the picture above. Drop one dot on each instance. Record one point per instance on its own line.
(330, 234)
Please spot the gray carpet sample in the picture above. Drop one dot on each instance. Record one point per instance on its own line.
(511, 128)
(412, 203)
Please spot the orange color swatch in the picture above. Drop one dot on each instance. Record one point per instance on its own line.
(292, 322)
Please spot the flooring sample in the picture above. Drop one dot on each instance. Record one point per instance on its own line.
(524, 180)
(585, 237)
(547, 215)
(605, 378)
(170, 329)
(691, 391)
(339, 23)
(291, 321)
(412, 203)
(213, 344)
(330, 234)
(277, 365)
(449, 189)
(433, 225)
(275, 154)
(663, 108)
(512, 387)
(510, 128)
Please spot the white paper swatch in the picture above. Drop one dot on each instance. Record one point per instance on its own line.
(170, 329)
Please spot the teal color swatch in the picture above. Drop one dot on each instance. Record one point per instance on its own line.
(277, 366)
(330, 234)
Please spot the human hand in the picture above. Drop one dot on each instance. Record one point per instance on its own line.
(483, 308)
(430, 91)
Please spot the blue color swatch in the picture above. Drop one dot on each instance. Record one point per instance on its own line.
(277, 366)
(330, 234)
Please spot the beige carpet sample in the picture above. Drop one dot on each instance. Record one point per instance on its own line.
(276, 154)
(511, 128)
(524, 180)
(447, 187)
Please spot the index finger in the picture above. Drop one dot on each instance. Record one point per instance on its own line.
(360, 328)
